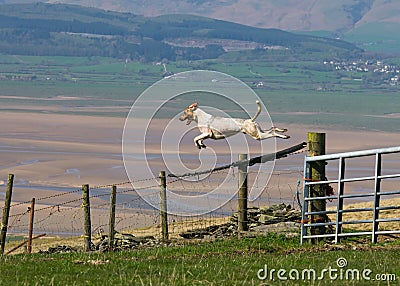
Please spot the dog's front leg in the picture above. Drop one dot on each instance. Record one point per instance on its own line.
(198, 140)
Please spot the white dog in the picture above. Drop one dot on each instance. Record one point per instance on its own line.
(221, 127)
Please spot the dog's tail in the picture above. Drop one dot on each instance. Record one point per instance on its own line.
(258, 111)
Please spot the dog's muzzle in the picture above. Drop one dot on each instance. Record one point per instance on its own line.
(183, 118)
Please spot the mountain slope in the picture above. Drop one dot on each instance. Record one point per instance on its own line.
(301, 15)
(378, 28)
(387, 11)
(58, 29)
(350, 19)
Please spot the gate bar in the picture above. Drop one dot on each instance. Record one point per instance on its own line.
(354, 154)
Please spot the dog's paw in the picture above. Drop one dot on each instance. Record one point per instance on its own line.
(201, 145)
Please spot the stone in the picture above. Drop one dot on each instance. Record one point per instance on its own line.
(59, 249)
(126, 241)
(282, 216)
(268, 219)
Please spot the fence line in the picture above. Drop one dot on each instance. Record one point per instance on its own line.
(75, 206)
(50, 217)
(249, 162)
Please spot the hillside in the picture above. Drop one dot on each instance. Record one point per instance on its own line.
(305, 15)
(71, 30)
(370, 24)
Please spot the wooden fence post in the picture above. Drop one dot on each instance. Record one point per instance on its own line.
(316, 147)
(163, 206)
(6, 212)
(242, 195)
(111, 223)
(31, 217)
(86, 215)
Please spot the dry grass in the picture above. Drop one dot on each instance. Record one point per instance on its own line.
(174, 229)
(366, 215)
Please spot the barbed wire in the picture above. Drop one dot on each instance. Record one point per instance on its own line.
(123, 183)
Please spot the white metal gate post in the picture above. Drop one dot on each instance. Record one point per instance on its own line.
(304, 209)
(339, 213)
(377, 196)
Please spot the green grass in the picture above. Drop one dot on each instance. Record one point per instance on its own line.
(335, 98)
(222, 262)
(377, 37)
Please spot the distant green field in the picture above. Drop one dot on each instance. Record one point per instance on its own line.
(377, 37)
(294, 92)
(221, 262)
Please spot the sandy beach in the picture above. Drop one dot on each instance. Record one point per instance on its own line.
(51, 154)
(73, 150)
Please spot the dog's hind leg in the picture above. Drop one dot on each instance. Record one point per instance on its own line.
(273, 132)
(266, 135)
(276, 129)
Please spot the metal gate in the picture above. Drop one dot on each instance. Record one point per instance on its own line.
(340, 197)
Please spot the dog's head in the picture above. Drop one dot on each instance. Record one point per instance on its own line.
(188, 113)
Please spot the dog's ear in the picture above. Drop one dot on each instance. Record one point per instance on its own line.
(193, 106)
